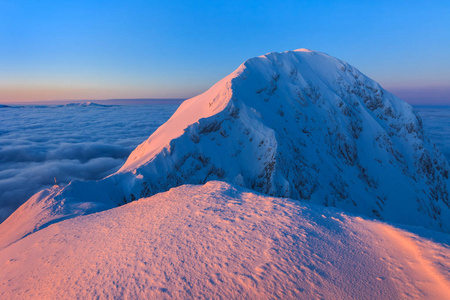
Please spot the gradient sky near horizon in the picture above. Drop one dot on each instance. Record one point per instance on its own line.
(73, 50)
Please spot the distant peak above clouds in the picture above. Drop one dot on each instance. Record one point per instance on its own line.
(298, 124)
(87, 104)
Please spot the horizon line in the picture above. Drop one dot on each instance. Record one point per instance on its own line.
(123, 101)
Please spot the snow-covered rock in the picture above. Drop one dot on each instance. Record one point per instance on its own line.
(85, 104)
(224, 242)
(298, 124)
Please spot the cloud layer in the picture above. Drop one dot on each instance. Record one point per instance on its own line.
(436, 121)
(38, 144)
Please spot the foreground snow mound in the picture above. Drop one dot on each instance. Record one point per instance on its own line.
(218, 241)
(297, 124)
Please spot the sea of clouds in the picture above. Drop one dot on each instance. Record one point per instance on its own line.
(88, 142)
(436, 122)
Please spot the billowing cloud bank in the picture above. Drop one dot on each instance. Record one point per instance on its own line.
(38, 144)
(436, 121)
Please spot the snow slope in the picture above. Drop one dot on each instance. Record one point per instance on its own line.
(298, 124)
(219, 241)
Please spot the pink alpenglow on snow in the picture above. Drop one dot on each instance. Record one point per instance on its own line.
(224, 242)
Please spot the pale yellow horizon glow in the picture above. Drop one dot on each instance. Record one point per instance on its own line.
(16, 94)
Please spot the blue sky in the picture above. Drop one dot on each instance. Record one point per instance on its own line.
(57, 50)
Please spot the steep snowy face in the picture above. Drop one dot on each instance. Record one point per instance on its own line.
(304, 125)
(297, 124)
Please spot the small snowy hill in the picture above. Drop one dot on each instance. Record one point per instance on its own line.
(298, 124)
(220, 241)
(85, 104)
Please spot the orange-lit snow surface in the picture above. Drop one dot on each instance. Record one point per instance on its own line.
(221, 241)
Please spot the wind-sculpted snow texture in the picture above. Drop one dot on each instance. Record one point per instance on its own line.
(217, 241)
(297, 124)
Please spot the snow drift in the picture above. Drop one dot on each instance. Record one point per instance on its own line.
(297, 124)
(224, 242)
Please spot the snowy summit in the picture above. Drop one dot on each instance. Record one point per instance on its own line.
(299, 124)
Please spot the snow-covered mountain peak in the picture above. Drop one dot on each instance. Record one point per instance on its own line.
(265, 84)
(305, 125)
(211, 102)
(297, 124)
